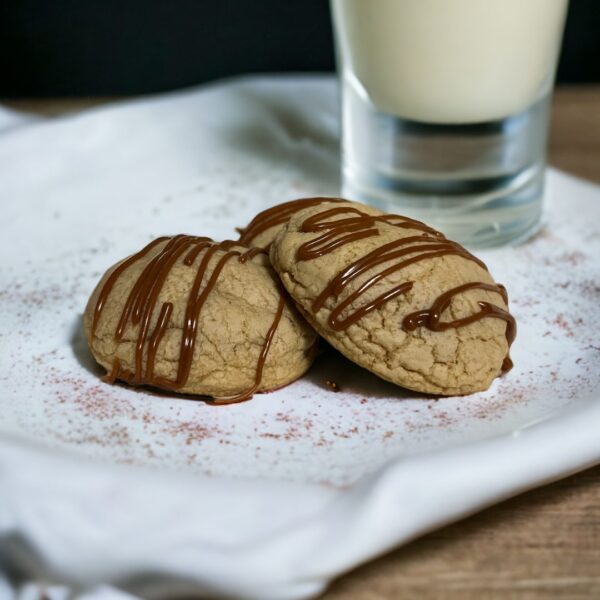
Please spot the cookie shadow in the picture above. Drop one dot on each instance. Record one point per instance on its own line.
(80, 348)
(332, 366)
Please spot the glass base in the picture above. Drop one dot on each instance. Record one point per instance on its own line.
(478, 220)
(480, 184)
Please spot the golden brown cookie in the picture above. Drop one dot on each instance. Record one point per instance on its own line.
(194, 316)
(396, 297)
(261, 231)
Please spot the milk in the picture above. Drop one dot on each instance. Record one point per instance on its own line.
(450, 61)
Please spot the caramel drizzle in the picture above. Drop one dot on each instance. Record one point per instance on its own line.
(142, 299)
(355, 225)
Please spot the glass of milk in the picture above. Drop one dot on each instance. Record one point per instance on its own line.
(445, 110)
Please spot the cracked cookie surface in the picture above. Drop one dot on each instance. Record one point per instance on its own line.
(190, 315)
(396, 297)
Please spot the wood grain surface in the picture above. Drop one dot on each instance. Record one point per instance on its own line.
(542, 544)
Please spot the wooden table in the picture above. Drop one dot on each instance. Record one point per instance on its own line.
(545, 543)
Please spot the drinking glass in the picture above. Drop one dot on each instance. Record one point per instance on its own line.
(444, 110)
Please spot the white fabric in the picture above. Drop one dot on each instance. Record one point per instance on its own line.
(9, 119)
(76, 524)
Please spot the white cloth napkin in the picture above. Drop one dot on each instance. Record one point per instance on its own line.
(159, 535)
(9, 119)
(75, 524)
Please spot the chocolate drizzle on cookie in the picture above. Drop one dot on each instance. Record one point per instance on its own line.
(277, 215)
(431, 318)
(143, 297)
(343, 225)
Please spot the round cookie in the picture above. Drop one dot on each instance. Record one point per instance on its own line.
(265, 226)
(194, 316)
(396, 297)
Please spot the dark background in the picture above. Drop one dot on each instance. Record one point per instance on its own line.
(112, 47)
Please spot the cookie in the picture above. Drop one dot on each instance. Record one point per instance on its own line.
(261, 231)
(190, 315)
(396, 297)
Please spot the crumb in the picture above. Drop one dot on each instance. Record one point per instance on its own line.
(332, 385)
